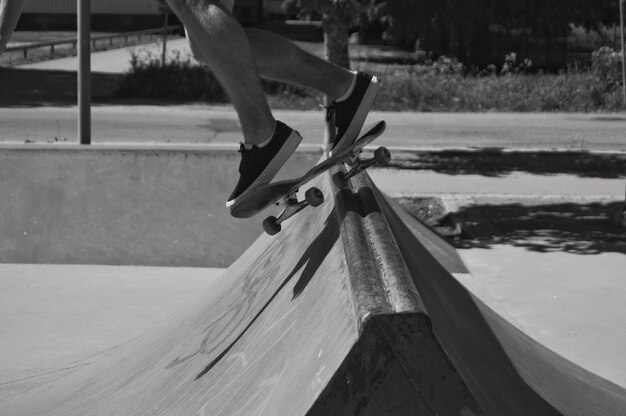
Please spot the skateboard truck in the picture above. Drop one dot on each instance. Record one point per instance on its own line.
(285, 193)
(382, 156)
(313, 197)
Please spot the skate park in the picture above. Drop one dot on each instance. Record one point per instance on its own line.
(127, 289)
(70, 226)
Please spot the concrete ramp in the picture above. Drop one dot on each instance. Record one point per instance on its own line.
(344, 312)
(287, 331)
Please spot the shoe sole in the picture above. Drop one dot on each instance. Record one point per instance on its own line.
(358, 120)
(290, 146)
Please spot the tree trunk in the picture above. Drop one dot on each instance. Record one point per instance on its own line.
(565, 51)
(336, 41)
(547, 53)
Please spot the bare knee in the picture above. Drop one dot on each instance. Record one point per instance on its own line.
(208, 24)
(185, 9)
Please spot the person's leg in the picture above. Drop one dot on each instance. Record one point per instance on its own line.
(352, 94)
(10, 11)
(278, 58)
(218, 41)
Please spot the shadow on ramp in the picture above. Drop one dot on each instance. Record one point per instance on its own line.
(507, 371)
(576, 228)
(498, 162)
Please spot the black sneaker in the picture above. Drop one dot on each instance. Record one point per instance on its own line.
(350, 113)
(259, 165)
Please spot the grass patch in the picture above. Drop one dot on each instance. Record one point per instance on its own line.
(441, 86)
(407, 88)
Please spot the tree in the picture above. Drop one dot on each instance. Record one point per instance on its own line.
(164, 7)
(451, 27)
(472, 30)
(338, 17)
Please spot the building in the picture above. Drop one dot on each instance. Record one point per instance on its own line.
(125, 15)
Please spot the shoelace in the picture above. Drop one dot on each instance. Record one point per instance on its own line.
(247, 155)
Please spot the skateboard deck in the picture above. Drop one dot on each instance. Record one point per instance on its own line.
(269, 194)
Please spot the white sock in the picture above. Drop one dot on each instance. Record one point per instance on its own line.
(352, 85)
(266, 142)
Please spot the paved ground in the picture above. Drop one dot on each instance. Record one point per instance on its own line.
(218, 124)
(564, 298)
(83, 311)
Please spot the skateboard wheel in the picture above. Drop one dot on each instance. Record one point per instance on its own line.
(270, 226)
(314, 197)
(382, 155)
(340, 180)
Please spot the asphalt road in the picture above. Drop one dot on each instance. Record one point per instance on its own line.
(218, 124)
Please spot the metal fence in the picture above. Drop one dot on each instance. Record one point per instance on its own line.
(124, 7)
(106, 39)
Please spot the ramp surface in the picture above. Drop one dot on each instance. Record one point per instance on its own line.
(248, 348)
(352, 309)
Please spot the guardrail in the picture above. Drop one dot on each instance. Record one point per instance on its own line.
(94, 40)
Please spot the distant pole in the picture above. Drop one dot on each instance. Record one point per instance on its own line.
(84, 71)
(621, 26)
(164, 52)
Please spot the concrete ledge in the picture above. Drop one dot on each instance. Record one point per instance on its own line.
(124, 205)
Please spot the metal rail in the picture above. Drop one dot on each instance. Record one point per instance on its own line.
(94, 39)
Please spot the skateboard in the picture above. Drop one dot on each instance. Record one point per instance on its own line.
(285, 192)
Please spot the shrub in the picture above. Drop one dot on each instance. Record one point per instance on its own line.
(421, 88)
(606, 63)
(179, 79)
(183, 79)
(442, 85)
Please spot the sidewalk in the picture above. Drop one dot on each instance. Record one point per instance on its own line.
(114, 61)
